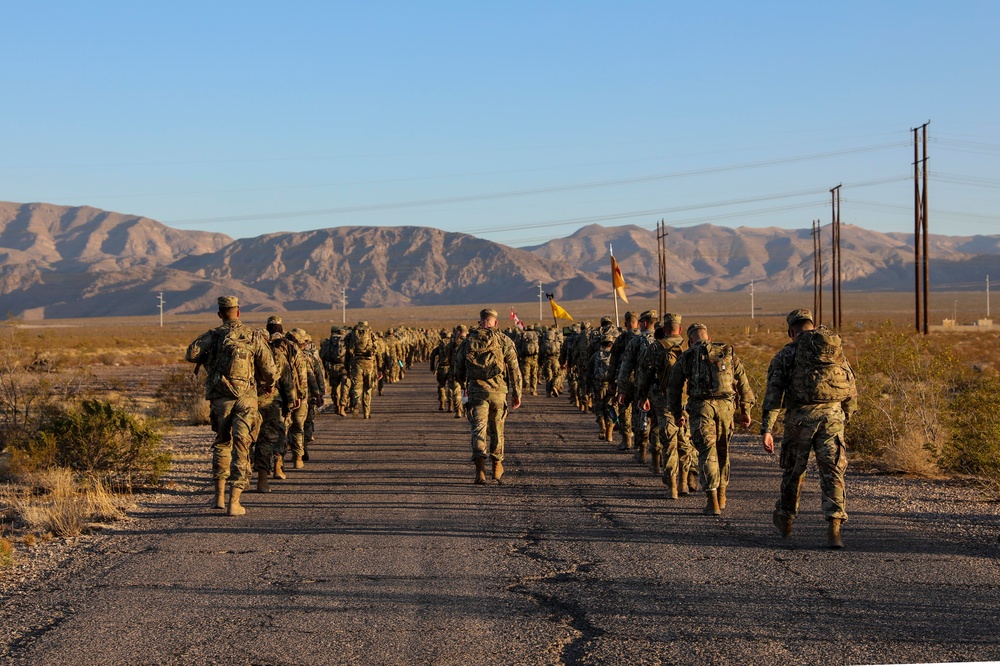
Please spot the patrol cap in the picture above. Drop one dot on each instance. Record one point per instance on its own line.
(695, 327)
(649, 315)
(228, 302)
(461, 328)
(362, 323)
(274, 319)
(606, 320)
(488, 312)
(671, 318)
(795, 316)
(297, 335)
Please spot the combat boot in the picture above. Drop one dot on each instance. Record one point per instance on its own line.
(783, 523)
(609, 433)
(235, 508)
(219, 501)
(341, 411)
(693, 481)
(480, 471)
(722, 497)
(671, 481)
(626, 444)
(262, 485)
(441, 405)
(497, 470)
(833, 539)
(654, 462)
(681, 479)
(603, 430)
(712, 507)
(299, 464)
(640, 452)
(278, 472)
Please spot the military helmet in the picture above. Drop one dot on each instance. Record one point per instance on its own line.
(606, 320)
(297, 335)
(795, 316)
(334, 330)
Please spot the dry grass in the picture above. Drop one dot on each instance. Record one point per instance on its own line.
(53, 502)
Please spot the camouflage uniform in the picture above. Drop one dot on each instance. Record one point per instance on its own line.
(442, 360)
(600, 388)
(710, 410)
(364, 369)
(487, 407)
(628, 377)
(808, 427)
(614, 363)
(549, 346)
(273, 406)
(529, 360)
(305, 379)
(315, 399)
(455, 386)
(234, 399)
(337, 374)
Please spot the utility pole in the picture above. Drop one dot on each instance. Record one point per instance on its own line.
(835, 281)
(540, 294)
(921, 278)
(161, 309)
(661, 252)
(751, 299)
(817, 273)
(343, 301)
(987, 296)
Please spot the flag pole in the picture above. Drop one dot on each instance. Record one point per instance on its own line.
(613, 290)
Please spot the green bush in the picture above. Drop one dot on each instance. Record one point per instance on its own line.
(974, 447)
(97, 438)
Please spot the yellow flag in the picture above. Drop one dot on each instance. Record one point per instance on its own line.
(617, 280)
(558, 312)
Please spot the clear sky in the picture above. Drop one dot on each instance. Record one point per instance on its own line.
(515, 121)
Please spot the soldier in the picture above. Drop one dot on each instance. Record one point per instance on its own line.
(362, 352)
(308, 386)
(527, 350)
(455, 387)
(625, 413)
(334, 355)
(274, 407)
(315, 399)
(627, 378)
(483, 362)
(581, 358)
(811, 379)
(238, 360)
(566, 364)
(549, 346)
(717, 385)
(442, 360)
(654, 372)
(600, 387)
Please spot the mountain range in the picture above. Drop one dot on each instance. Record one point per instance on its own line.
(61, 262)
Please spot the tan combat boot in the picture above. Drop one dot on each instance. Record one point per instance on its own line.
(681, 479)
(219, 501)
(497, 470)
(712, 507)
(609, 433)
(602, 430)
(783, 523)
(262, 485)
(640, 452)
(299, 464)
(693, 481)
(722, 497)
(235, 508)
(833, 539)
(654, 462)
(671, 481)
(278, 472)
(480, 471)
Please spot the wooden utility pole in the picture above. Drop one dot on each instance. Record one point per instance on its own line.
(661, 253)
(835, 279)
(920, 263)
(817, 273)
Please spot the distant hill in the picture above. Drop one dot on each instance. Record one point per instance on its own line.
(58, 261)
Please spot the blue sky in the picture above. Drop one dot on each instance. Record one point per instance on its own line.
(515, 121)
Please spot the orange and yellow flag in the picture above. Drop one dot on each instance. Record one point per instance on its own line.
(617, 280)
(558, 312)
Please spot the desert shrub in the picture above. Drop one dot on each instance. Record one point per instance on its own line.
(974, 447)
(53, 502)
(23, 395)
(6, 553)
(904, 388)
(96, 437)
(181, 397)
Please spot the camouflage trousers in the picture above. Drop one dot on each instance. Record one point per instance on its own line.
(625, 412)
(711, 431)
(454, 394)
(551, 374)
(363, 379)
(233, 420)
(601, 395)
(297, 429)
(340, 387)
(444, 395)
(487, 414)
(673, 443)
(529, 374)
(269, 440)
(818, 428)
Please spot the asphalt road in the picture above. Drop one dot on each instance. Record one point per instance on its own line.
(383, 551)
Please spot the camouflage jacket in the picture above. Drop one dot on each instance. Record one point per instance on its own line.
(287, 392)
(204, 350)
(778, 397)
(657, 357)
(740, 390)
(494, 385)
(629, 361)
(621, 342)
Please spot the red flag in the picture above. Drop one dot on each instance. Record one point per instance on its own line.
(517, 322)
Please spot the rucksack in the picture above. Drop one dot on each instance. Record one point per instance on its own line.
(821, 373)
(549, 345)
(233, 360)
(530, 343)
(483, 354)
(601, 362)
(667, 354)
(364, 343)
(332, 351)
(711, 370)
